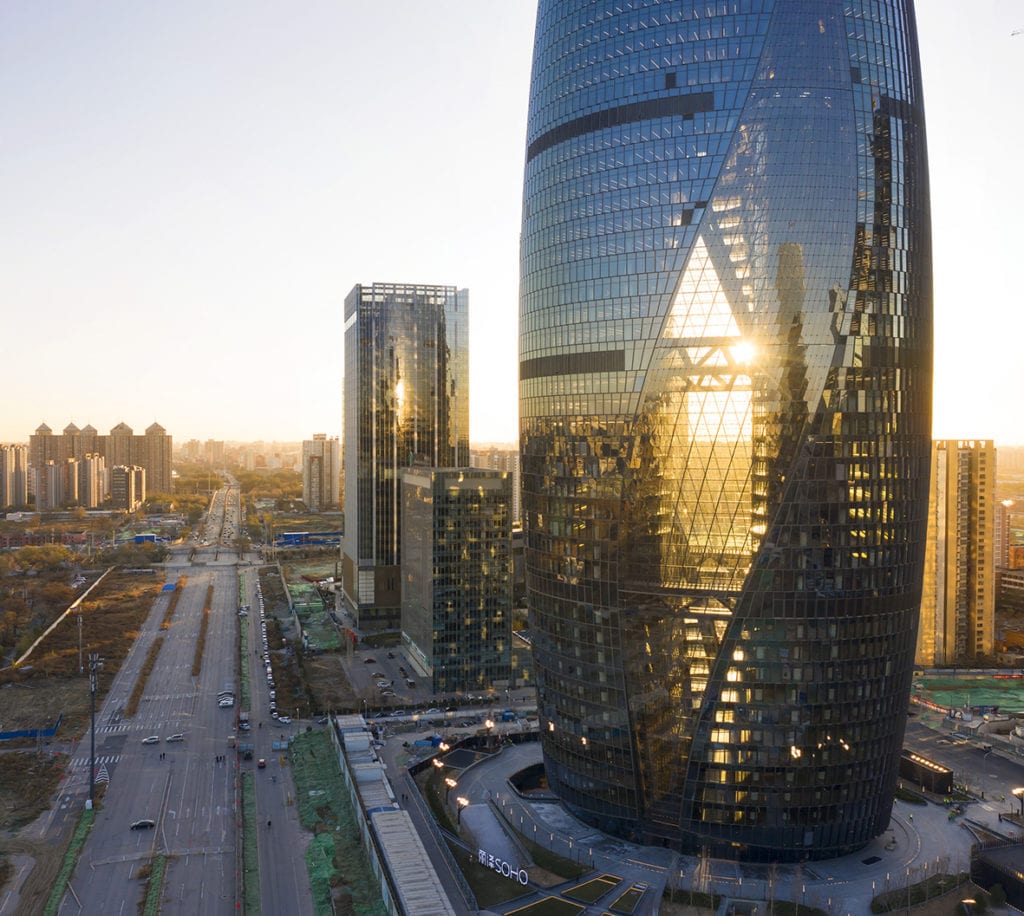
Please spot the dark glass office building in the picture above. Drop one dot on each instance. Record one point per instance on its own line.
(457, 577)
(406, 404)
(725, 394)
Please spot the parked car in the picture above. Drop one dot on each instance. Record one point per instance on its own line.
(285, 720)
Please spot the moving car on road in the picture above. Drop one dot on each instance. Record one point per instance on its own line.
(152, 739)
(144, 824)
(171, 738)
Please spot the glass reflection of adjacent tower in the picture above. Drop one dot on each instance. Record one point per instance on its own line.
(736, 410)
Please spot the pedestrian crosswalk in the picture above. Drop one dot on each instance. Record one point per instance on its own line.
(166, 697)
(79, 763)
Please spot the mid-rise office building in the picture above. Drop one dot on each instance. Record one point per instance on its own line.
(321, 473)
(13, 476)
(725, 406)
(958, 601)
(406, 404)
(457, 577)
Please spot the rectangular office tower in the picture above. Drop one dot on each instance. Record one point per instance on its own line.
(725, 413)
(406, 404)
(958, 602)
(457, 577)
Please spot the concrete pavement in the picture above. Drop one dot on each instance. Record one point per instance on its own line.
(920, 840)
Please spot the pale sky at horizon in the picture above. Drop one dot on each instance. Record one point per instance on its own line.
(188, 191)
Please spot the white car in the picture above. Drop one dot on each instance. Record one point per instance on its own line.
(285, 720)
(171, 738)
(152, 739)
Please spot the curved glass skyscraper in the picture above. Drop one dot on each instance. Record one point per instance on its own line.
(725, 389)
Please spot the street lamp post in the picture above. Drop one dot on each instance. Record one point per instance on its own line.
(1019, 792)
(462, 802)
(95, 664)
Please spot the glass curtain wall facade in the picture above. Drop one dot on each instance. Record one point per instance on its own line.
(725, 395)
(457, 577)
(406, 403)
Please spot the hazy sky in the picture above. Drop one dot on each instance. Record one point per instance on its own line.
(188, 191)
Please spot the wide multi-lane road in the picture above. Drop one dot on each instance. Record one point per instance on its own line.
(190, 787)
(179, 785)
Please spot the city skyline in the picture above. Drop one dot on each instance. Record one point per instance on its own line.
(182, 188)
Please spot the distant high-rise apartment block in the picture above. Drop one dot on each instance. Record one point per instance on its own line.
(13, 476)
(55, 484)
(958, 601)
(152, 451)
(456, 533)
(127, 487)
(192, 450)
(92, 481)
(1003, 535)
(725, 413)
(213, 451)
(405, 404)
(500, 459)
(321, 472)
(156, 458)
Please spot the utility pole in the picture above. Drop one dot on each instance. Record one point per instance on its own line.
(95, 663)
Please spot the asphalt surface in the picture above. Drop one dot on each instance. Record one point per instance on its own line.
(284, 880)
(184, 787)
(177, 784)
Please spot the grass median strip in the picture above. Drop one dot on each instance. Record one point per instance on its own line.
(70, 861)
(250, 848)
(145, 671)
(197, 659)
(172, 604)
(153, 872)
